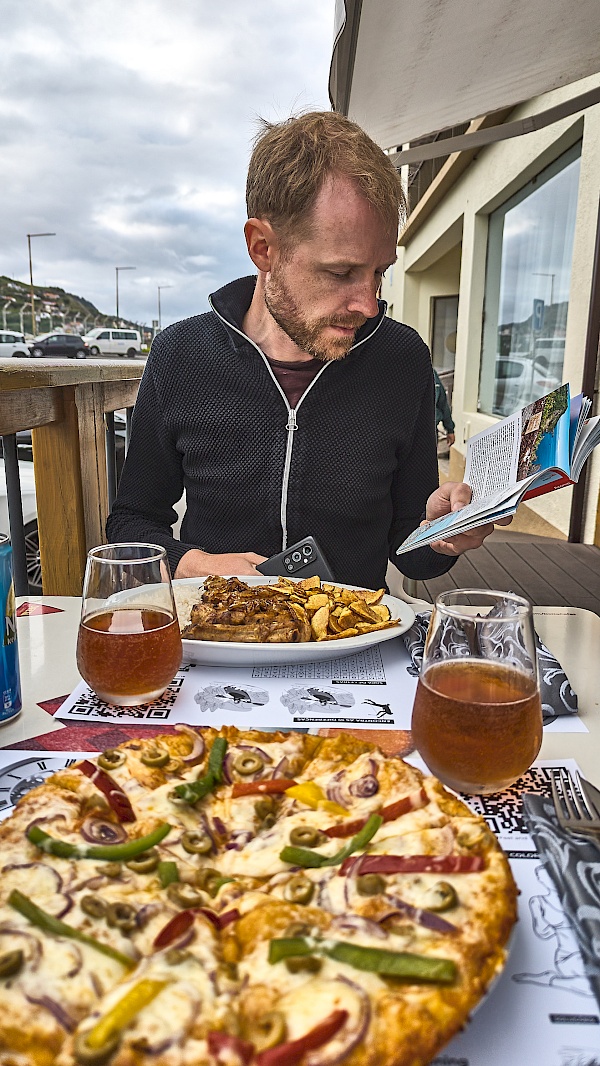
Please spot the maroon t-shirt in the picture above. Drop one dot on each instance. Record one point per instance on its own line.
(295, 378)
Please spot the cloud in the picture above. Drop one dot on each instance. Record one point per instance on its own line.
(126, 129)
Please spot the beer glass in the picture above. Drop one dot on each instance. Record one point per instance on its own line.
(129, 644)
(477, 716)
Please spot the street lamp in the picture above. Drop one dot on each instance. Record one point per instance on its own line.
(117, 269)
(159, 287)
(29, 236)
(543, 274)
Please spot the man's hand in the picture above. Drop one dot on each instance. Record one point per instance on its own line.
(450, 438)
(451, 496)
(196, 563)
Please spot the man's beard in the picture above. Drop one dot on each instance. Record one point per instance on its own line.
(309, 336)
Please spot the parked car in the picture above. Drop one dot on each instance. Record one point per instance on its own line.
(125, 342)
(519, 380)
(32, 543)
(12, 343)
(59, 345)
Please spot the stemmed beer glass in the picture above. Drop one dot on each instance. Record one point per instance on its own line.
(477, 716)
(129, 644)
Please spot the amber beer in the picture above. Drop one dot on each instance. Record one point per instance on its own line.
(129, 656)
(477, 717)
(477, 724)
(129, 644)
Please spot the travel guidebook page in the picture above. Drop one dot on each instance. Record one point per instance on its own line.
(538, 449)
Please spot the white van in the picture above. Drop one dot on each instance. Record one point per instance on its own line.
(114, 341)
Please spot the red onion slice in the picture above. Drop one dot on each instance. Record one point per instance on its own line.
(350, 1034)
(365, 786)
(355, 923)
(232, 754)
(58, 903)
(99, 831)
(428, 919)
(57, 1011)
(198, 745)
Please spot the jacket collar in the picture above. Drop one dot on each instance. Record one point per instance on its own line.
(231, 302)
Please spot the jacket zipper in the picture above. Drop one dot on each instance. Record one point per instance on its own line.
(292, 424)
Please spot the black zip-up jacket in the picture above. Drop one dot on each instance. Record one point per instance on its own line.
(352, 465)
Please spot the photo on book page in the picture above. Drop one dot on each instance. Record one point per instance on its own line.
(538, 449)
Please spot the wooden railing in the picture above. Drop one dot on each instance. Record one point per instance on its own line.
(64, 403)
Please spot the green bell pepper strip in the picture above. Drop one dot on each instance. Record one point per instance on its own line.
(374, 960)
(308, 857)
(55, 927)
(110, 852)
(167, 873)
(193, 791)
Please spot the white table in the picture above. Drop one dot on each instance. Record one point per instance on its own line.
(48, 669)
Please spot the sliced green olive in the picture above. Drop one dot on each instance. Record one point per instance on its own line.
(305, 836)
(94, 906)
(268, 1030)
(303, 964)
(111, 759)
(441, 897)
(89, 1056)
(263, 807)
(185, 896)
(11, 962)
(144, 863)
(155, 756)
(472, 835)
(369, 884)
(205, 876)
(248, 762)
(195, 842)
(175, 956)
(295, 929)
(121, 916)
(299, 889)
(110, 869)
(268, 821)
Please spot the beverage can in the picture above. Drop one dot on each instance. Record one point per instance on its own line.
(10, 681)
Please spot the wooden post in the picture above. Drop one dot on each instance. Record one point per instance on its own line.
(61, 524)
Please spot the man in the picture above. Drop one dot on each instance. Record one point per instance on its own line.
(294, 406)
(443, 413)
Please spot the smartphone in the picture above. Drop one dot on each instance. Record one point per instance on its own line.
(304, 559)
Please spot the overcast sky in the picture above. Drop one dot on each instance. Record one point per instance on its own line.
(125, 127)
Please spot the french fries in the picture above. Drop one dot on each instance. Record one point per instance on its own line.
(334, 612)
(285, 612)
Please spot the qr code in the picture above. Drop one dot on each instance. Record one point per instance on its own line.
(503, 811)
(90, 706)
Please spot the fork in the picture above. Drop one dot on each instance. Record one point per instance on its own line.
(577, 806)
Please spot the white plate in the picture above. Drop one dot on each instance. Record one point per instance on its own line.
(235, 653)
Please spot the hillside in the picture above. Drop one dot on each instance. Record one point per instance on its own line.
(54, 309)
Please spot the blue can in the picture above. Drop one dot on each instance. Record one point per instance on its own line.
(10, 681)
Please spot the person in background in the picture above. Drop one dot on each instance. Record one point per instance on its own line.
(443, 413)
(295, 406)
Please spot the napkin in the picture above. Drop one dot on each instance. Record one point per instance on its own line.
(573, 863)
(556, 693)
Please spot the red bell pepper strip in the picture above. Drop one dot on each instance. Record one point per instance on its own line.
(416, 864)
(389, 814)
(293, 1051)
(113, 792)
(257, 788)
(174, 929)
(218, 1042)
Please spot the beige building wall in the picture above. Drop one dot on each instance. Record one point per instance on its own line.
(447, 254)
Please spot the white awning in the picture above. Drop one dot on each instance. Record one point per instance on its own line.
(403, 70)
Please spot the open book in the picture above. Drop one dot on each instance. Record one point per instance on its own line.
(538, 449)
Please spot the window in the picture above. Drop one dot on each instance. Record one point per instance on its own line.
(103, 336)
(444, 317)
(528, 278)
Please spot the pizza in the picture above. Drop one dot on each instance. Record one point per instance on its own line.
(229, 898)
